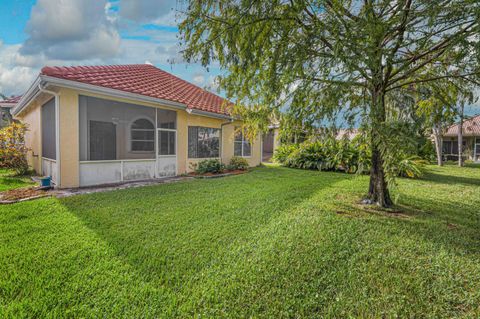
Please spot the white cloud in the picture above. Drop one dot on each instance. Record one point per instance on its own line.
(15, 81)
(85, 32)
(198, 79)
(71, 29)
(146, 11)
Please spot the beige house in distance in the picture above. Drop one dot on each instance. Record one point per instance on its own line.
(471, 140)
(97, 125)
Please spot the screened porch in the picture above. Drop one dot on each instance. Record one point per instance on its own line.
(125, 142)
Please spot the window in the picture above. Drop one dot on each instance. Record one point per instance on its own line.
(203, 142)
(142, 136)
(242, 146)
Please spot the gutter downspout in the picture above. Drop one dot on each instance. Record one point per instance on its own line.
(230, 121)
(57, 130)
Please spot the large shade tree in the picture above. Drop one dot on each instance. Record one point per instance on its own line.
(319, 56)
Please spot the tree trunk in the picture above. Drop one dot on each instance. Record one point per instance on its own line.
(460, 136)
(437, 137)
(378, 190)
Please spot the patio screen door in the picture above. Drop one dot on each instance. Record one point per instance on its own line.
(166, 146)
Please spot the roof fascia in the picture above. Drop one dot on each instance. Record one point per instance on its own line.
(31, 93)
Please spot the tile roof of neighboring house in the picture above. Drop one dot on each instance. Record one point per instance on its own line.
(471, 127)
(143, 79)
(350, 133)
(11, 100)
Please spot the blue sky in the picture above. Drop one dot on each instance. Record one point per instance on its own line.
(36, 33)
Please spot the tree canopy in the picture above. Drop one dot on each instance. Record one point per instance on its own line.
(317, 59)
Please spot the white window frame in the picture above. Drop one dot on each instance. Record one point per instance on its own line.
(242, 142)
(141, 130)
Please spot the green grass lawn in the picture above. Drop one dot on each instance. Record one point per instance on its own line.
(8, 180)
(273, 243)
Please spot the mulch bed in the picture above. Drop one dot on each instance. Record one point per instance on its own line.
(20, 194)
(214, 175)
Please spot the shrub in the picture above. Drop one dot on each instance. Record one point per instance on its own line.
(343, 155)
(327, 155)
(209, 166)
(13, 152)
(239, 163)
(427, 151)
(283, 151)
(411, 167)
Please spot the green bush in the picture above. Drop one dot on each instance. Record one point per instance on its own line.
(283, 151)
(411, 167)
(209, 166)
(328, 155)
(427, 151)
(343, 155)
(239, 163)
(13, 151)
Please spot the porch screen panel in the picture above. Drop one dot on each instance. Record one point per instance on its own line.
(111, 130)
(49, 137)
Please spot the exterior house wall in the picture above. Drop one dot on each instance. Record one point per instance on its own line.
(32, 117)
(69, 138)
(69, 135)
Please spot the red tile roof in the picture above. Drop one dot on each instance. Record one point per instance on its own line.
(471, 127)
(11, 100)
(143, 79)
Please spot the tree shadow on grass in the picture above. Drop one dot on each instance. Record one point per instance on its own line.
(450, 179)
(451, 224)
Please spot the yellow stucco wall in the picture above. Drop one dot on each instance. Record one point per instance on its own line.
(69, 138)
(32, 118)
(69, 135)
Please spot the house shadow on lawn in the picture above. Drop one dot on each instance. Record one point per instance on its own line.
(173, 232)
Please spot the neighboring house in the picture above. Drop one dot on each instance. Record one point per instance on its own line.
(5, 110)
(471, 140)
(349, 134)
(107, 124)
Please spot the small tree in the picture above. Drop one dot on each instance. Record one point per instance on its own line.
(323, 57)
(13, 152)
